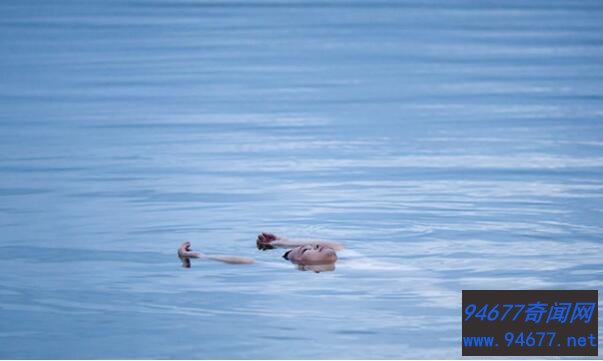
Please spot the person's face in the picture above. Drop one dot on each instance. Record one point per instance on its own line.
(312, 255)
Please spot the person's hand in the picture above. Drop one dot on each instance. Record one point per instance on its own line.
(185, 251)
(265, 241)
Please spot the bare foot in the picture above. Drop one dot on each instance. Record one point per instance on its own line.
(265, 240)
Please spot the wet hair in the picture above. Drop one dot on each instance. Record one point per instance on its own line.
(286, 255)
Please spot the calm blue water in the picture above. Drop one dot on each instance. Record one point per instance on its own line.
(449, 145)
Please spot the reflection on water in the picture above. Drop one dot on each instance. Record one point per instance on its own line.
(329, 267)
(448, 146)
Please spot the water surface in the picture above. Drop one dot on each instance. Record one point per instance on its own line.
(450, 146)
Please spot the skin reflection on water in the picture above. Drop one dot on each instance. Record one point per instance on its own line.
(317, 268)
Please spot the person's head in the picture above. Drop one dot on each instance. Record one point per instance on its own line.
(311, 254)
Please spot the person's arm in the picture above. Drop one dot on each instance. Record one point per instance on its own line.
(269, 241)
(232, 259)
(292, 243)
(185, 253)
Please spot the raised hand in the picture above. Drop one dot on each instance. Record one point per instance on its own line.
(185, 251)
(266, 241)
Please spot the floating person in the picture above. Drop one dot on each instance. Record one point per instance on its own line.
(314, 255)
(185, 253)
